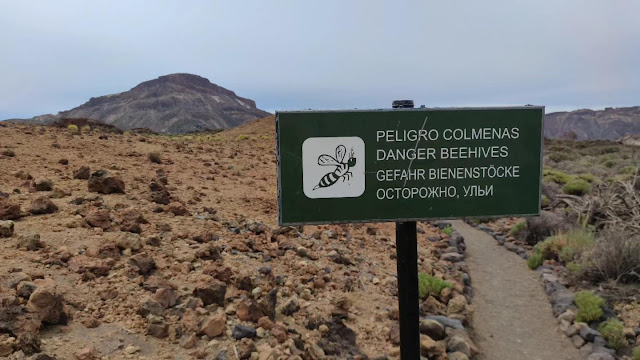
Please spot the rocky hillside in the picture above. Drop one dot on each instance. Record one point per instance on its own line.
(171, 104)
(607, 124)
(135, 246)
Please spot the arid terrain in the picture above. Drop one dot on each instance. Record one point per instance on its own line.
(169, 248)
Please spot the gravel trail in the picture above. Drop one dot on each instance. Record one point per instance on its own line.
(512, 318)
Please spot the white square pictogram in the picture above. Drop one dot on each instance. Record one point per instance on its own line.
(333, 167)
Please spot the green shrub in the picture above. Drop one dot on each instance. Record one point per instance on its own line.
(575, 268)
(589, 306)
(518, 227)
(85, 129)
(567, 254)
(429, 285)
(535, 261)
(544, 201)
(549, 249)
(608, 150)
(242, 137)
(73, 128)
(448, 230)
(636, 353)
(556, 176)
(587, 177)
(566, 246)
(628, 170)
(560, 156)
(610, 163)
(612, 330)
(577, 187)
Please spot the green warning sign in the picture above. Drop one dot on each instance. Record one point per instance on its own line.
(408, 164)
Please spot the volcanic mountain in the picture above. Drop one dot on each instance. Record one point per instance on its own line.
(171, 104)
(607, 124)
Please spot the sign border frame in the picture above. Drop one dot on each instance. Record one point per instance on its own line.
(471, 108)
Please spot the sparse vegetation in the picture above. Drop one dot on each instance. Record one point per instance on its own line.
(616, 256)
(544, 201)
(560, 156)
(448, 230)
(429, 285)
(518, 227)
(556, 176)
(589, 306)
(155, 157)
(535, 261)
(242, 137)
(73, 128)
(85, 129)
(636, 353)
(575, 268)
(566, 246)
(628, 170)
(612, 330)
(577, 187)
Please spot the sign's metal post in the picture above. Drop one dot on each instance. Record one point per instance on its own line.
(407, 264)
(407, 250)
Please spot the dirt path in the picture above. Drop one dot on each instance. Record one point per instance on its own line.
(512, 319)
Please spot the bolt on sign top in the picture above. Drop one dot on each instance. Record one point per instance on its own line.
(408, 164)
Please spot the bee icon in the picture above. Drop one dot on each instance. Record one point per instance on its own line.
(342, 167)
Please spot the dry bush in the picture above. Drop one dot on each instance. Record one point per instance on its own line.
(616, 256)
(155, 157)
(610, 205)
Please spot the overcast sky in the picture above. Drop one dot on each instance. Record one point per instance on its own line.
(565, 54)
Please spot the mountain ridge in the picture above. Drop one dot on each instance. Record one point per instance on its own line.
(586, 124)
(170, 104)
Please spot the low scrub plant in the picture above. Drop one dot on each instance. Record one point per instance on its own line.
(636, 353)
(612, 330)
(628, 170)
(590, 178)
(575, 268)
(577, 187)
(615, 256)
(566, 246)
(429, 285)
(448, 230)
(544, 201)
(535, 261)
(589, 306)
(85, 129)
(560, 156)
(155, 157)
(242, 137)
(73, 128)
(558, 177)
(518, 227)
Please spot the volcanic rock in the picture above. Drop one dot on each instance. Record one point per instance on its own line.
(6, 228)
(104, 183)
(83, 173)
(9, 210)
(47, 303)
(42, 205)
(214, 325)
(43, 184)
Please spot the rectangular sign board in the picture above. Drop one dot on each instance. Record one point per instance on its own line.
(408, 164)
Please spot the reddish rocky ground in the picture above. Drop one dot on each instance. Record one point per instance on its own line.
(182, 257)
